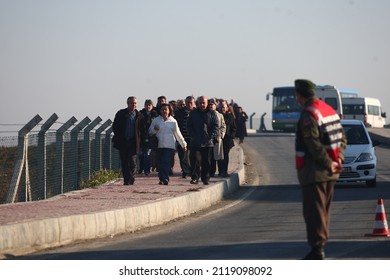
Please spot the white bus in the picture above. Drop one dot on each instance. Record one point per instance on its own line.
(286, 110)
(366, 109)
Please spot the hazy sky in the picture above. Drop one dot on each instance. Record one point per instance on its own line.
(84, 58)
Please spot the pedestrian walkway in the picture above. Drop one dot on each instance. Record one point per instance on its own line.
(110, 209)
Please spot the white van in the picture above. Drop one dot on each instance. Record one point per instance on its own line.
(366, 109)
(330, 95)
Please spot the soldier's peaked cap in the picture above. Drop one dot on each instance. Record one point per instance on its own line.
(304, 87)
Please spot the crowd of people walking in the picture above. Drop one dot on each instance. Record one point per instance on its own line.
(201, 131)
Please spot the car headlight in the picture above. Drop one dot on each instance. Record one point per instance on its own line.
(364, 157)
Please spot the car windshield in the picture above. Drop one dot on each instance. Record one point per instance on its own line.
(355, 135)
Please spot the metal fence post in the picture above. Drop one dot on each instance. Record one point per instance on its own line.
(98, 144)
(60, 154)
(41, 186)
(108, 149)
(22, 161)
(251, 120)
(74, 162)
(86, 151)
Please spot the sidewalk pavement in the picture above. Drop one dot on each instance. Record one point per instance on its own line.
(110, 209)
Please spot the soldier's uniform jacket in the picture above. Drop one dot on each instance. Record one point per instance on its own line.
(320, 139)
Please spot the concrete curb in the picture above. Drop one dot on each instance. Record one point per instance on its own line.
(28, 237)
(380, 134)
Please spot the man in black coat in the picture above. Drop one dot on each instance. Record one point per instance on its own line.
(126, 139)
(203, 127)
(147, 142)
(182, 115)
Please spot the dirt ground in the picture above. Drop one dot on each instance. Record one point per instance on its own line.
(251, 175)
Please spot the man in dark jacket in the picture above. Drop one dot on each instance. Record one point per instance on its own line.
(147, 142)
(182, 115)
(241, 119)
(126, 139)
(320, 146)
(203, 128)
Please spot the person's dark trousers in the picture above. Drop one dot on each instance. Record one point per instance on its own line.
(128, 157)
(317, 199)
(224, 163)
(195, 160)
(164, 163)
(184, 163)
(203, 156)
(145, 160)
(140, 163)
(153, 159)
(213, 165)
(206, 154)
(221, 167)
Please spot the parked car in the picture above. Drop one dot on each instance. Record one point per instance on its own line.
(360, 158)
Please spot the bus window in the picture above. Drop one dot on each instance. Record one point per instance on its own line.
(285, 109)
(286, 103)
(373, 110)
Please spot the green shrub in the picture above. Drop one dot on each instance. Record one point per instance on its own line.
(100, 177)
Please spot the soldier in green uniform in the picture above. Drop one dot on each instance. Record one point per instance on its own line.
(320, 145)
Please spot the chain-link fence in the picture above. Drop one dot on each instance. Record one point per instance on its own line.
(37, 165)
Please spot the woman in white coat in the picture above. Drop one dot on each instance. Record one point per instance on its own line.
(167, 131)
